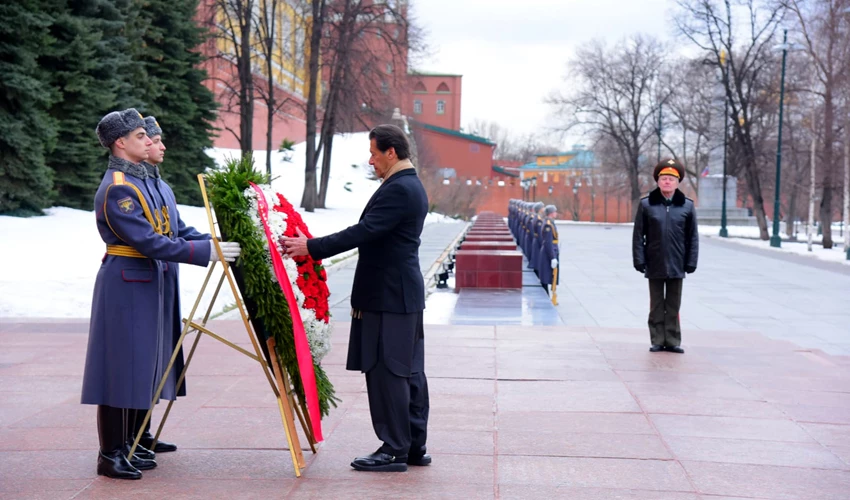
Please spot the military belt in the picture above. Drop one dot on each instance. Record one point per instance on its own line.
(124, 251)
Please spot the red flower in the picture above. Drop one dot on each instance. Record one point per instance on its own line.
(312, 277)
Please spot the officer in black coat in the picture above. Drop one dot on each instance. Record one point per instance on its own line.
(387, 299)
(665, 246)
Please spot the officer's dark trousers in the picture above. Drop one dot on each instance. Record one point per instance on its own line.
(665, 297)
(399, 407)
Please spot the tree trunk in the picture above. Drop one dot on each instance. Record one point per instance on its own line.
(634, 182)
(828, 168)
(753, 181)
(246, 84)
(270, 104)
(326, 168)
(308, 197)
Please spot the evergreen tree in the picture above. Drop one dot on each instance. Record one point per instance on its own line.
(91, 68)
(173, 91)
(27, 132)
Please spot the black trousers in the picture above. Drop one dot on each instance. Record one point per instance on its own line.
(665, 298)
(399, 407)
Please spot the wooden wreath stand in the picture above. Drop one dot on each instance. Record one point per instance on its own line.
(288, 403)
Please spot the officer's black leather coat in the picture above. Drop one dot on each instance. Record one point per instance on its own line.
(665, 237)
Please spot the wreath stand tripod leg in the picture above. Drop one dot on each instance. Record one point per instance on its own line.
(182, 377)
(283, 401)
(301, 411)
(170, 364)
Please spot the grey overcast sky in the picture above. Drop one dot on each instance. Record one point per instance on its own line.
(512, 54)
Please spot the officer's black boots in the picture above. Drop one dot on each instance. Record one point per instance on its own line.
(143, 458)
(147, 437)
(111, 430)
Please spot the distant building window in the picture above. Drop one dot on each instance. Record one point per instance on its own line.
(385, 87)
(417, 107)
(441, 107)
(389, 68)
(420, 88)
(443, 88)
(473, 148)
(395, 33)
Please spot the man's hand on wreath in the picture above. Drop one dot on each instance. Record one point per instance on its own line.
(295, 246)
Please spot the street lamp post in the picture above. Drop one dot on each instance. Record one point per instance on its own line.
(775, 240)
(534, 188)
(724, 233)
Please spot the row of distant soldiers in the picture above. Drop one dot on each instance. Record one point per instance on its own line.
(533, 227)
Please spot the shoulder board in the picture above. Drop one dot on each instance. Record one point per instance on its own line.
(118, 178)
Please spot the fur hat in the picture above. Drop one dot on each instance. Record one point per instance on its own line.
(152, 127)
(117, 124)
(551, 209)
(669, 166)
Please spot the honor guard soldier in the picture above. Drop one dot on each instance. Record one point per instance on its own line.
(531, 236)
(549, 249)
(523, 226)
(537, 238)
(123, 365)
(173, 227)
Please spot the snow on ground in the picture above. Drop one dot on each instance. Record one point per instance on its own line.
(50, 263)
(749, 236)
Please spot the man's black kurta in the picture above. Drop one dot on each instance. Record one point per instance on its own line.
(387, 298)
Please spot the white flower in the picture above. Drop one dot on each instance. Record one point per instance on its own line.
(318, 332)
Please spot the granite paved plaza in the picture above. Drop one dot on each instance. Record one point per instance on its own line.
(755, 409)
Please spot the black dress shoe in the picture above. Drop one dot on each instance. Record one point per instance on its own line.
(161, 446)
(656, 348)
(116, 466)
(419, 460)
(380, 462)
(676, 349)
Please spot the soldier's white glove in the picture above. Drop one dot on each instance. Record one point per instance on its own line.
(230, 250)
(554, 263)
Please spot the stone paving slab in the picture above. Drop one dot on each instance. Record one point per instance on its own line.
(517, 411)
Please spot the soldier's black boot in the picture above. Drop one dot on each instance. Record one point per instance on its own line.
(111, 461)
(147, 439)
(134, 418)
(143, 458)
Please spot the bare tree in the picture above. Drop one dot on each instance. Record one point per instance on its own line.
(234, 23)
(713, 26)
(275, 44)
(825, 29)
(318, 10)
(365, 49)
(616, 94)
(691, 84)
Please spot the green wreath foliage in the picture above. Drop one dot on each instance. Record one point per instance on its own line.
(226, 191)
